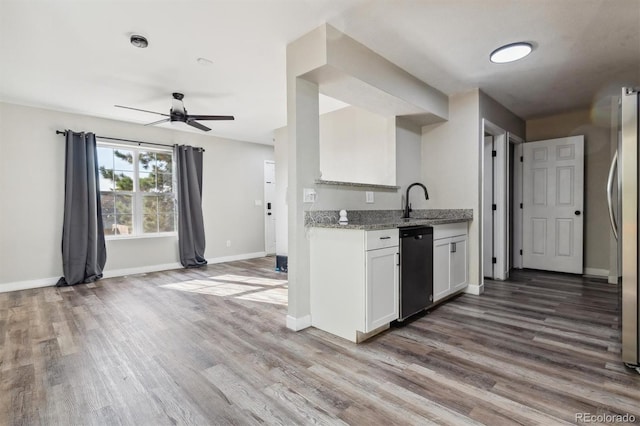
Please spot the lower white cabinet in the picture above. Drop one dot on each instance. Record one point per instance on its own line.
(381, 285)
(450, 259)
(354, 280)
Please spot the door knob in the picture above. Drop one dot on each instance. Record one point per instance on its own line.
(577, 212)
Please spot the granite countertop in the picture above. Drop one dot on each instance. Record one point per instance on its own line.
(386, 219)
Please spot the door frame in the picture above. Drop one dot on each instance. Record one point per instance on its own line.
(517, 202)
(264, 206)
(500, 191)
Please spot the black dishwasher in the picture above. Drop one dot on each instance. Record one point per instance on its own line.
(416, 270)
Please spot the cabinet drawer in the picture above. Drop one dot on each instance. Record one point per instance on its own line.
(449, 230)
(381, 239)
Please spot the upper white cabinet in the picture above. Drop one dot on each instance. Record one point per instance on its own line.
(358, 146)
(450, 259)
(354, 280)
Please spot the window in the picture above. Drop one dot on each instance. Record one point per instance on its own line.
(136, 189)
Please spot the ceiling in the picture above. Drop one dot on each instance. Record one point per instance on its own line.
(75, 56)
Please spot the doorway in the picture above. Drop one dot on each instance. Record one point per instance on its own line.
(494, 202)
(269, 199)
(501, 202)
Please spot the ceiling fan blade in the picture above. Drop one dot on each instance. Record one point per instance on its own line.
(191, 122)
(211, 117)
(164, 120)
(143, 110)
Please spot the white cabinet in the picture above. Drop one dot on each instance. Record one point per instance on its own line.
(450, 259)
(382, 287)
(354, 280)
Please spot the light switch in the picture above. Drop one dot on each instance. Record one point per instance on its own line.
(369, 197)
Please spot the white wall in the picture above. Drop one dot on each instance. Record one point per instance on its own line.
(409, 163)
(408, 157)
(357, 146)
(450, 166)
(280, 209)
(496, 113)
(32, 192)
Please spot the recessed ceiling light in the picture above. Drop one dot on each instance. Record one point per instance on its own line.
(204, 61)
(139, 41)
(511, 52)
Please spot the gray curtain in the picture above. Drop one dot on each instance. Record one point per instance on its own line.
(83, 249)
(191, 241)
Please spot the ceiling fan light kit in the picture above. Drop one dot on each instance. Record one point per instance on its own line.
(179, 113)
(511, 52)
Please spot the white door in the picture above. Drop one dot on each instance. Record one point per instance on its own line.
(269, 199)
(487, 209)
(553, 204)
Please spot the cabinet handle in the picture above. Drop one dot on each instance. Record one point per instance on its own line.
(385, 238)
(453, 247)
(398, 264)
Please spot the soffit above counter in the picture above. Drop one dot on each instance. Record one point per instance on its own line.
(349, 71)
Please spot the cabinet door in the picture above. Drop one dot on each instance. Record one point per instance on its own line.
(459, 279)
(441, 268)
(381, 287)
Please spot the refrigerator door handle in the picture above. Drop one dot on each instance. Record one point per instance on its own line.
(612, 171)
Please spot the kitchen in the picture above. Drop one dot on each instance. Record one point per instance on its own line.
(370, 175)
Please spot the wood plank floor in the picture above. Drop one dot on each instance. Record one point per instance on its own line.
(209, 347)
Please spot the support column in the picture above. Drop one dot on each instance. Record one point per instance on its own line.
(304, 168)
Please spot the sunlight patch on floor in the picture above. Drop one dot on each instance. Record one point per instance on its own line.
(256, 289)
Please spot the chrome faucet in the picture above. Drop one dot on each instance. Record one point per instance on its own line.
(407, 206)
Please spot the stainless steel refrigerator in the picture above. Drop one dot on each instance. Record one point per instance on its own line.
(626, 227)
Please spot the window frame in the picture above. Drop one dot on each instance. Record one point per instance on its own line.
(137, 203)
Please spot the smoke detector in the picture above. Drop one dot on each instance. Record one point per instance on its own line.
(139, 41)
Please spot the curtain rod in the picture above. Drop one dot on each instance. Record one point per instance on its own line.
(63, 132)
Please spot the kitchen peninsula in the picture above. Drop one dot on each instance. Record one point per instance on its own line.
(355, 267)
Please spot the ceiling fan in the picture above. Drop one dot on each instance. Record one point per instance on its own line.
(179, 113)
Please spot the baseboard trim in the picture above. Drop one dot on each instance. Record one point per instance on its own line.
(297, 324)
(48, 282)
(613, 279)
(233, 258)
(29, 284)
(140, 270)
(475, 289)
(596, 272)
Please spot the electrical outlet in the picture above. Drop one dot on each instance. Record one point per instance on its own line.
(309, 195)
(369, 197)
(228, 243)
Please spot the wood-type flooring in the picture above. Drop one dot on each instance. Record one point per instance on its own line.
(210, 347)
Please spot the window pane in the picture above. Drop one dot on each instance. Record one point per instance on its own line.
(166, 204)
(164, 162)
(123, 160)
(107, 202)
(147, 182)
(123, 225)
(124, 204)
(146, 161)
(108, 222)
(150, 223)
(124, 180)
(165, 182)
(105, 165)
(150, 205)
(166, 223)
